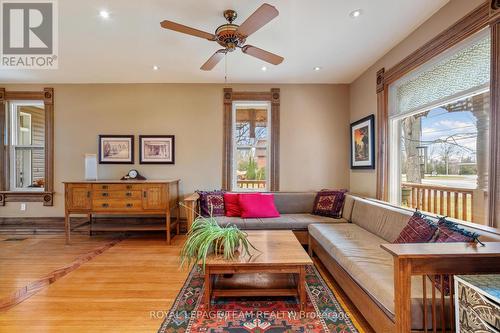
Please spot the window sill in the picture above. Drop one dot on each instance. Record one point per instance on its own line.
(27, 196)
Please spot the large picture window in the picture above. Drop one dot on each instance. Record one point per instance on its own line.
(439, 119)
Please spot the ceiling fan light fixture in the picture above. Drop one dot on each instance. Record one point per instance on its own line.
(356, 13)
(104, 14)
(317, 68)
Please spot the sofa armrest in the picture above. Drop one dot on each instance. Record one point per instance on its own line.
(191, 206)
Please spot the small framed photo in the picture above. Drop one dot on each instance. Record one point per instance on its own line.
(363, 143)
(157, 149)
(116, 149)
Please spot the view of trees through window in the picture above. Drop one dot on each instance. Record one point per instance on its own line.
(444, 159)
(251, 143)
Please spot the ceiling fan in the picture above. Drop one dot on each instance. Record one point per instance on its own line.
(231, 36)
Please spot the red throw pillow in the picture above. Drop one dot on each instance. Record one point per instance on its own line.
(256, 205)
(418, 230)
(232, 204)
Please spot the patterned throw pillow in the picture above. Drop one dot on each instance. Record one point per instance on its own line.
(418, 230)
(450, 232)
(211, 203)
(329, 203)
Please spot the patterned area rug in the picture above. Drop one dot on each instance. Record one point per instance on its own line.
(270, 315)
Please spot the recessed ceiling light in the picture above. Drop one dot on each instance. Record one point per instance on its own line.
(104, 14)
(264, 68)
(356, 13)
(155, 68)
(317, 68)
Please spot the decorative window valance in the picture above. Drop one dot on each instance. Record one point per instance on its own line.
(444, 78)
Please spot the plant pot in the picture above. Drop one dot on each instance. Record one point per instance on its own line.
(220, 250)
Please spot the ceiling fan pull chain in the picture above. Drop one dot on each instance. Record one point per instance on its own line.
(225, 68)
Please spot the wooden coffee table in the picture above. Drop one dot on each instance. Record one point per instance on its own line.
(277, 270)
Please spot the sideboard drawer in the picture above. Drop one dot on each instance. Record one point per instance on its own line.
(116, 187)
(125, 195)
(116, 204)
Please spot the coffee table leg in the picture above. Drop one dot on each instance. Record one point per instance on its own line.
(302, 288)
(208, 287)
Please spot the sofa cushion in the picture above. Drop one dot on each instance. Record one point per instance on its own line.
(284, 222)
(359, 253)
(211, 203)
(450, 232)
(294, 202)
(232, 204)
(418, 230)
(224, 221)
(256, 205)
(347, 209)
(382, 220)
(329, 203)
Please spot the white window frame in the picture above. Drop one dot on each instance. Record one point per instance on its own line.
(394, 131)
(234, 166)
(13, 140)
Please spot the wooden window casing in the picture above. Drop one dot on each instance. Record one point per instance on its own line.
(47, 195)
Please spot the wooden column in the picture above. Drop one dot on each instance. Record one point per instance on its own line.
(3, 147)
(494, 186)
(382, 163)
(227, 144)
(275, 140)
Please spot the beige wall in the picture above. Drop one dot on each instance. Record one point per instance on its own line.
(314, 133)
(363, 98)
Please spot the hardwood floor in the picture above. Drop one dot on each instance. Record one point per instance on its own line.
(123, 289)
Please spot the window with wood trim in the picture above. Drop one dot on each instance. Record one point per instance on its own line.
(251, 141)
(438, 124)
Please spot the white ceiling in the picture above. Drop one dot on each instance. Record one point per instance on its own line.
(309, 33)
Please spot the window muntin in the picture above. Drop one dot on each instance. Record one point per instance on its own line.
(438, 133)
(251, 145)
(26, 146)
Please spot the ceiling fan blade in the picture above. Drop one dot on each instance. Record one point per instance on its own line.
(262, 54)
(258, 19)
(186, 30)
(213, 60)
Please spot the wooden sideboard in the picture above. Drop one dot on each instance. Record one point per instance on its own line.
(131, 197)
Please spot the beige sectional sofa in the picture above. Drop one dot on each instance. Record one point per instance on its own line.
(295, 210)
(352, 253)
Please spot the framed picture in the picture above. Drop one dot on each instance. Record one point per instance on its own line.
(363, 143)
(157, 149)
(116, 149)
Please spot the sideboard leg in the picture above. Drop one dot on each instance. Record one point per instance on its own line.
(67, 227)
(91, 219)
(167, 218)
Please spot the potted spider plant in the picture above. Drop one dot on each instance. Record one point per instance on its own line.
(206, 237)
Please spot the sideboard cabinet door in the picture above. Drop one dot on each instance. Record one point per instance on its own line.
(78, 196)
(154, 197)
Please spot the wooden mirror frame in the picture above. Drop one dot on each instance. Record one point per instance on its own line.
(272, 96)
(486, 15)
(46, 196)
